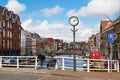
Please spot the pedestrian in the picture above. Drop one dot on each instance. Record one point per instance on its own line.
(41, 57)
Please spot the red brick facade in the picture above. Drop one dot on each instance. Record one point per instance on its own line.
(10, 32)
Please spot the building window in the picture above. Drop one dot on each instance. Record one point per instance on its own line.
(6, 12)
(10, 25)
(0, 36)
(3, 32)
(4, 23)
(8, 43)
(3, 43)
(19, 36)
(0, 41)
(0, 24)
(7, 33)
(10, 34)
(7, 17)
(13, 20)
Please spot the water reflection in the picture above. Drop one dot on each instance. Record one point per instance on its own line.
(68, 62)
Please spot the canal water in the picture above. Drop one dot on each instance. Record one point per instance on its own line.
(68, 62)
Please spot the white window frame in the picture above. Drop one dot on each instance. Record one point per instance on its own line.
(4, 23)
(3, 32)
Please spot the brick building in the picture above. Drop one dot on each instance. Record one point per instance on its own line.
(91, 43)
(10, 33)
(38, 43)
(49, 44)
(110, 27)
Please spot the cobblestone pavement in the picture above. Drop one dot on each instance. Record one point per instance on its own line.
(44, 74)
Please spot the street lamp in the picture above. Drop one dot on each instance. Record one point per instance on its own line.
(74, 21)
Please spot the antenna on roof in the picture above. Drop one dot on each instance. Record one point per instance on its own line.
(108, 17)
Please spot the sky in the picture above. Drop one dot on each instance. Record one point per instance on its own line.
(50, 18)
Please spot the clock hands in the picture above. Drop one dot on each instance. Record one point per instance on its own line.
(73, 21)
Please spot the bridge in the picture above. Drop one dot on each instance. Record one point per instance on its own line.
(63, 63)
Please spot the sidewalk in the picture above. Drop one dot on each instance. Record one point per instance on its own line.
(26, 70)
(90, 75)
(68, 75)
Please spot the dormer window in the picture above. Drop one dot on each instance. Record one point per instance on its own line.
(6, 12)
(3, 13)
(7, 17)
(13, 20)
(12, 16)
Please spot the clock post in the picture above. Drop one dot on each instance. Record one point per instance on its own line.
(74, 21)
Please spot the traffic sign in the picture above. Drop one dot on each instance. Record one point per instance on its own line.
(111, 38)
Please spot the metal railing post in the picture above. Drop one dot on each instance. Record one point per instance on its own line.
(63, 64)
(35, 62)
(0, 61)
(56, 64)
(88, 66)
(115, 64)
(108, 65)
(118, 66)
(17, 62)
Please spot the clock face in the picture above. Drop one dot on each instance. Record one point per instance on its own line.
(73, 21)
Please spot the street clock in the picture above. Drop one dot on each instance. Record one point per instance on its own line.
(74, 21)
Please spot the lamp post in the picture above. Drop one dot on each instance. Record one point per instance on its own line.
(74, 21)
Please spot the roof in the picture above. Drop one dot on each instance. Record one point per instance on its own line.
(105, 24)
(1, 9)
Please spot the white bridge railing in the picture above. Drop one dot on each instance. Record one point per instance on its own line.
(66, 63)
(18, 61)
(63, 63)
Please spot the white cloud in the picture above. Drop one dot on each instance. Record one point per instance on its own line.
(52, 11)
(27, 23)
(15, 6)
(97, 8)
(58, 30)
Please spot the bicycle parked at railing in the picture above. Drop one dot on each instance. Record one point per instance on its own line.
(111, 64)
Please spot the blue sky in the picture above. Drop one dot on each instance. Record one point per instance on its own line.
(50, 18)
